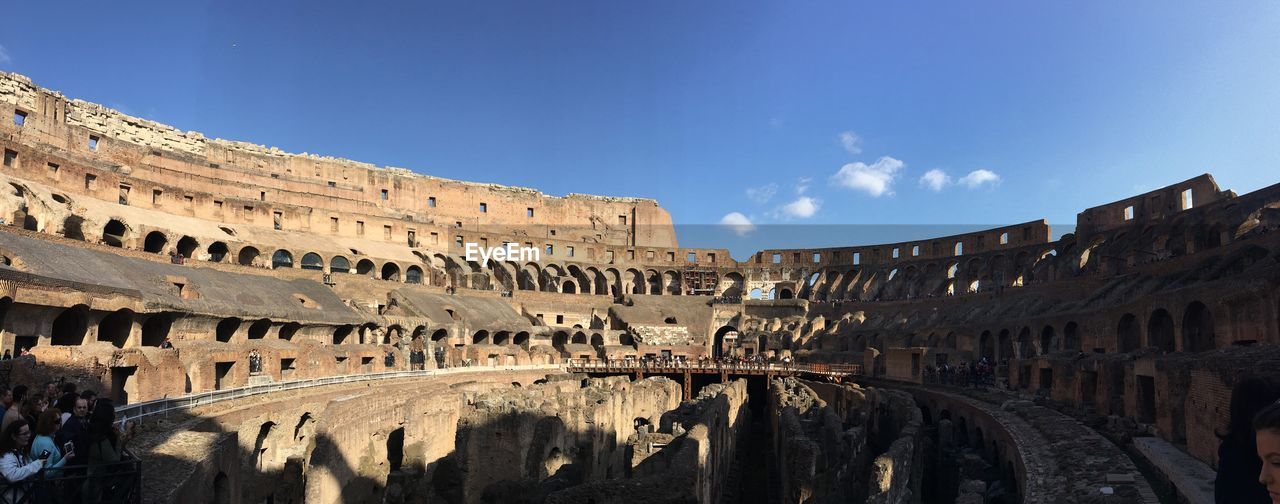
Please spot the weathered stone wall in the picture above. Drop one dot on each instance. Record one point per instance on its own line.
(699, 441)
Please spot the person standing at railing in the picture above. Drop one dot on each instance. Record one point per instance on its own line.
(74, 430)
(46, 426)
(105, 446)
(15, 465)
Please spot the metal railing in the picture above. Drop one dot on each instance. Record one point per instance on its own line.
(115, 483)
(779, 367)
(162, 406)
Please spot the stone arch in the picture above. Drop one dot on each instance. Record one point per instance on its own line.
(226, 328)
(364, 267)
(480, 337)
(156, 328)
(70, 327)
(634, 281)
(986, 345)
(115, 233)
(339, 264)
(1048, 339)
(116, 327)
(247, 255)
(440, 335)
(568, 287)
(1071, 336)
(1006, 345)
(521, 338)
(1197, 328)
(217, 251)
(598, 281)
(559, 340)
(1129, 333)
(501, 337)
(311, 261)
(413, 275)
(281, 259)
(259, 328)
(288, 330)
(155, 242)
(1160, 331)
(671, 281)
(391, 271)
(717, 350)
(187, 247)
(342, 332)
(1026, 349)
(579, 338)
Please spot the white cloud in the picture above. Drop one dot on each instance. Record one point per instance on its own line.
(763, 193)
(851, 141)
(737, 223)
(803, 185)
(875, 179)
(802, 208)
(977, 178)
(935, 180)
(4, 55)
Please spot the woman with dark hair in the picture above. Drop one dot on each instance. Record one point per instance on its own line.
(105, 446)
(1267, 425)
(1238, 463)
(15, 466)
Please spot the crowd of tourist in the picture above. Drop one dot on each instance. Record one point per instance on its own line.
(979, 373)
(757, 361)
(68, 439)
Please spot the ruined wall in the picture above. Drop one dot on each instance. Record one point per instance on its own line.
(686, 458)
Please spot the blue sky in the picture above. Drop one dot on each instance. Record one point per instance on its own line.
(835, 111)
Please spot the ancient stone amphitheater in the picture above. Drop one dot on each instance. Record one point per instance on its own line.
(328, 340)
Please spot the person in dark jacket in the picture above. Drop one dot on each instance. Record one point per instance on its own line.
(1238, 462)
(1267, 425)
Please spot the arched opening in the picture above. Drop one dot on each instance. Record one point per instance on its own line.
(339, 264)
(481, 336)
(342, 333)
(1197, 328)
(70, 326)
(1129, 333)
(521, 338)
(413, 275)
(1160, 331)
(501, 337)
(114, 233)
(439, 335)
(288, 330)
(1048, 340)
(559, 340)
(395, 449)
(568, 287)
(312, 261)
(115, 328)
(155, 242)
(579, 338)
(247, 255)
(156, 329)
(391, 271)
(1006, 345)
(1071, 336)
(217, 251)
(597, 340)
(281, 259)
(723, 333)
(1025, 350)
(187, 246)
(986, 345)
(226, 329)
(364, 267)
(260, 447)
(259, 328)
(221, 489)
